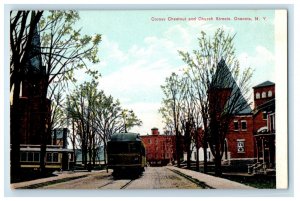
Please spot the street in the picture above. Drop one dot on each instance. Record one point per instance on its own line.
(152, 178)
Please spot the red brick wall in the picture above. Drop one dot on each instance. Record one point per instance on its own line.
(159, 147)
(258, 121)
(247, 135)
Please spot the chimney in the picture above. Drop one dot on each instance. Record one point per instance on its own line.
(154, 131)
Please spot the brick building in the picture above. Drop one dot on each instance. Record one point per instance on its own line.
(264, 127)
(251, 137)
(160, 149)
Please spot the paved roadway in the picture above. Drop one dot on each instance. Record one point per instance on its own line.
(152, 178)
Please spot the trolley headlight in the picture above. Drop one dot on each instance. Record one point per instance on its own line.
(136, 158)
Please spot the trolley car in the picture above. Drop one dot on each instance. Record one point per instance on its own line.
(126, 153)
(57, 157)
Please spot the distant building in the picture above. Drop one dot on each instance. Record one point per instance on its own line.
(160, 149)
(99, 158)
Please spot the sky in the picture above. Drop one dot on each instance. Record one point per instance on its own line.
(139, 49)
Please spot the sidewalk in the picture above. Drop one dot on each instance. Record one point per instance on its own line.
(211, 181)
(60, 176)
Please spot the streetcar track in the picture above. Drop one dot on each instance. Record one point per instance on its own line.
(105, 184)
(127, 184)
(115, 181)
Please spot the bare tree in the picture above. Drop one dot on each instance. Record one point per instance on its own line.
(22, 30)
(171, 109)
(222, 90)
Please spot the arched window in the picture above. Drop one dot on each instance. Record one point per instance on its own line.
(263, 95)
(257, 96)
(270, 94)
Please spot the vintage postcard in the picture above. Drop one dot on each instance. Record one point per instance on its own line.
(148, 99)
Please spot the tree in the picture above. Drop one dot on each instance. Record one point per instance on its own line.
(222, 89)
(96, 117)
(22, 30)
(171, 108)
(60, 50)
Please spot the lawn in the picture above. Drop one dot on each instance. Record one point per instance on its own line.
(257, 181)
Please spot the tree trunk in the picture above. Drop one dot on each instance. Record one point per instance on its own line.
(15, 135)
(197, 159)
(205, 153)
(43, 129)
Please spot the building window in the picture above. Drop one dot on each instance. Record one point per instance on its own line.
(156, 148)
(263, 95)
(257, 96)
(244, 125)
(272, 122)
(156, 141)
(241, 146)
(149, 141)
(236, 125)
(265, 116)
(270, 93)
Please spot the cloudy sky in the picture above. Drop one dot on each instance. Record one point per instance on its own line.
(139, 49)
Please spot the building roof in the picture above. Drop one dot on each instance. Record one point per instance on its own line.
(223, 79)
(125, 137)
(264, 84)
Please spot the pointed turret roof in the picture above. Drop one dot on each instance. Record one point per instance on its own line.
(223, 80)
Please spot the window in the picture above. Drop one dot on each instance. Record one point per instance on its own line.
(257, 96)
(156, 141)
(52, 157)
(244, 125)
(265, 116)
(272, 122)
(270, 93)
(36, 156)
(24, 156)
(263, 95)
(241, 146)
(236, 125)
(149, 141)
(55, 157)
(30, 156)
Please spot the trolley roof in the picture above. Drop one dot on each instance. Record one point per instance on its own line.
(117, 137)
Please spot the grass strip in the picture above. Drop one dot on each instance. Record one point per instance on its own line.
(195, 181)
